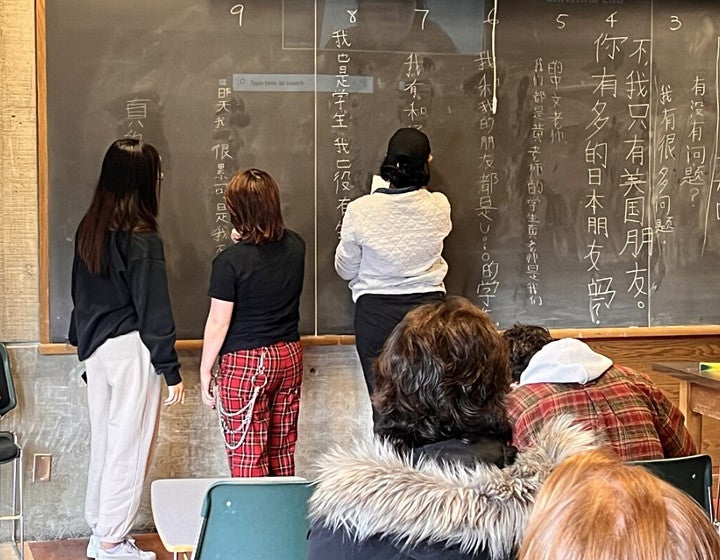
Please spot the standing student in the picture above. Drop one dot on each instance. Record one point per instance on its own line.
(255, 289)
(122, 325)
(391, 244)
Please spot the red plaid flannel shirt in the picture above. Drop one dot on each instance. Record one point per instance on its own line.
(636, 418)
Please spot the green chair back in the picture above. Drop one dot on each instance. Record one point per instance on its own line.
(692, 475)
(254, 521)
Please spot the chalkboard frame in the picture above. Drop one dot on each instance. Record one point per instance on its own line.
(48, 347)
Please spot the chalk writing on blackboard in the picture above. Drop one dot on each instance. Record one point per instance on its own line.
(237, 10)
(224, 165)
(576, 141)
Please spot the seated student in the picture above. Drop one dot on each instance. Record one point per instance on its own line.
(440, 480)
(595, 507)
(567, 377)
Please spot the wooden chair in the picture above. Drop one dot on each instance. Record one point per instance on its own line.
(692, 474)
(263, 520)
(11, 453)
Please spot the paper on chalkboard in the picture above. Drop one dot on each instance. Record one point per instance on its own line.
(378, 183)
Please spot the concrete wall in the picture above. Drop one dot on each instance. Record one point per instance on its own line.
(51, 417)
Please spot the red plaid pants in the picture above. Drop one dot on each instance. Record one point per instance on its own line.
(259, 393)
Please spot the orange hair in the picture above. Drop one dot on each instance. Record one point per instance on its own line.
(595, 507)
(252, 198)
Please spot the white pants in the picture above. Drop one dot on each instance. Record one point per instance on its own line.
(124, 403)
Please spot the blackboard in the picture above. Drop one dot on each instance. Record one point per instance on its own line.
(576, 141)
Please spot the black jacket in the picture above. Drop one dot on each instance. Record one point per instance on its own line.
(131, 294)
(372, 503)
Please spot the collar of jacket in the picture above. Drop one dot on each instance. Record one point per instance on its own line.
(372, 490)
(393, 190)
(489, 450)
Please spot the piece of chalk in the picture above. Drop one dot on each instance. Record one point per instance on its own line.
(709, 366)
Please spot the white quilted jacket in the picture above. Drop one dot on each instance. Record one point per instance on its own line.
(391, 243)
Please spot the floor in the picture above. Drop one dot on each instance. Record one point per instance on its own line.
(74, 549)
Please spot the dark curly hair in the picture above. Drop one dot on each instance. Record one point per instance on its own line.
(442, 374)
(524, 341)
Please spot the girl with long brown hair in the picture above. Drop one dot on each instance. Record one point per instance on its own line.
(123, 327)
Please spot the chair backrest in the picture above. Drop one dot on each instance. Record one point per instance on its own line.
(7, 389)
(254, 521)
(692, 474)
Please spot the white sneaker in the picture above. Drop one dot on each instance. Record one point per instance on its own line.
(126, 550)
(93, 546)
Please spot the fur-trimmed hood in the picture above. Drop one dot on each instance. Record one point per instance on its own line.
(372, 491)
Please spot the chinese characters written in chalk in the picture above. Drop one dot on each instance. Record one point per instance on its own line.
(136, 111)
(342, 176)
(535, 184)
(634, 178)
(223, 165)
(487, 179)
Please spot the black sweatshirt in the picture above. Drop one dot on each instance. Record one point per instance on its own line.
(131, 294)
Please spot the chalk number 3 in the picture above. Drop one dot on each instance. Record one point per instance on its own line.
(675, 23)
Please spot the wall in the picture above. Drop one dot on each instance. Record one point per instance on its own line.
(18, 176)
(51, 416)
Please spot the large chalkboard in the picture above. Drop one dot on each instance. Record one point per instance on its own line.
(576, 141)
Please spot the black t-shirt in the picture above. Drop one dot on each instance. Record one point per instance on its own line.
(264, 281)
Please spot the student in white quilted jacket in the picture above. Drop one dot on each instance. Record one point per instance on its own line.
(391, 245)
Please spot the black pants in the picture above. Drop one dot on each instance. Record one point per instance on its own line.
(376, 315)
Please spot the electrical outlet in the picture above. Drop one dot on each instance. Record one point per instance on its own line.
(42, 466)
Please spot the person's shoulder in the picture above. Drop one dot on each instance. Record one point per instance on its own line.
(232, 251)
(520, 398)
(438, 197)
(533, 397)
(363, 200)
(294, 237)
(144, 245)
(294, 245)
(631, 380)
(619, 372)
(363, 205)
